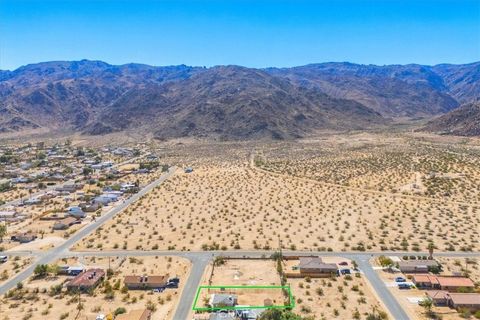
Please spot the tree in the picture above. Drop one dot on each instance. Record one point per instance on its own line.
(53, 269)
(3, 232)
(385, 261)
(40, 270)
(119, 310)
(430, 248)
(427, 304)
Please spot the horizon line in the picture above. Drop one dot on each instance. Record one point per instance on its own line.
(239, 65)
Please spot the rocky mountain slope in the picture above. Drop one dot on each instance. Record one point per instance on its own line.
(395, 90)
(463, 121)
(229, 102)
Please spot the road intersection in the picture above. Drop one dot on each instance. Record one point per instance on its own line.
(200, 259)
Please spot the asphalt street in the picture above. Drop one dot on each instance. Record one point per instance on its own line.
(57, 252)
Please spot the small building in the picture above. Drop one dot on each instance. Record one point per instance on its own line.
(427, 281)
(311, 266)
(417, 266)
(470, 301)
(145, 282)
(86, 207)
(33, 201)
(65, 223)
(86, 280)
(24, 237)
(438, 297)
(455, 283)
(135, 315)
(70, 188)
(222, 300)
(7, 215)
(75, 270)
(76, 212)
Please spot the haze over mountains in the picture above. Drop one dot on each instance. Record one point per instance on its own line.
(228, 102)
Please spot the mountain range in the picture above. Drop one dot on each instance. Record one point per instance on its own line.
(463, 121)
(227, 102)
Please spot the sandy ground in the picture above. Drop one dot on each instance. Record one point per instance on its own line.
(41, 305)
(236, 272)
(233, 206)
(469, 267)
(13, 266)
(332, 298)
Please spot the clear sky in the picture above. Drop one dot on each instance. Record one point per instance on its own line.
(250, 33)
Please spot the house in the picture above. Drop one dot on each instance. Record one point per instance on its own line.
(438, 297)
(135, 315)
(90, 207)
(454, 283)
(311, 266)
(76, 212)
(74, 271)
(125, 187)
(70, 188)
(33, 201)
(102, 200)
(470, 301)
(24, 237)
(427, 281)
(86, 280)
(417, 266)
(145, 282)
(65, 223)
(223, 300)
(7, 215)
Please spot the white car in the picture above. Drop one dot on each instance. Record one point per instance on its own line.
(101, 317)
(3, 259)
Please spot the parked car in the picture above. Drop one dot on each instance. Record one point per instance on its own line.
(403, 285)
(3, 259)
(172, 285)
(158, 290)
(343, 263)
(400, 279)
(174, 280)
(345, 271)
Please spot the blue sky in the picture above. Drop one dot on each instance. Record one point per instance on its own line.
(250, 33)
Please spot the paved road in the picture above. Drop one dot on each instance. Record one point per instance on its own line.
(57, 252)
(201, 259)
(394, 308)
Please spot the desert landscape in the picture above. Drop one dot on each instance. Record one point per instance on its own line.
(254, 205)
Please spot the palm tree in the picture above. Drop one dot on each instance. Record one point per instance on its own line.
(430, 248)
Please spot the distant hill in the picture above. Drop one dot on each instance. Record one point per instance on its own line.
(395, 90)
(463, 121)
(233, 102)
(228, 102)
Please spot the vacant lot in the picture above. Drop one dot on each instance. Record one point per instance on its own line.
(230, 205)
(13, 266)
